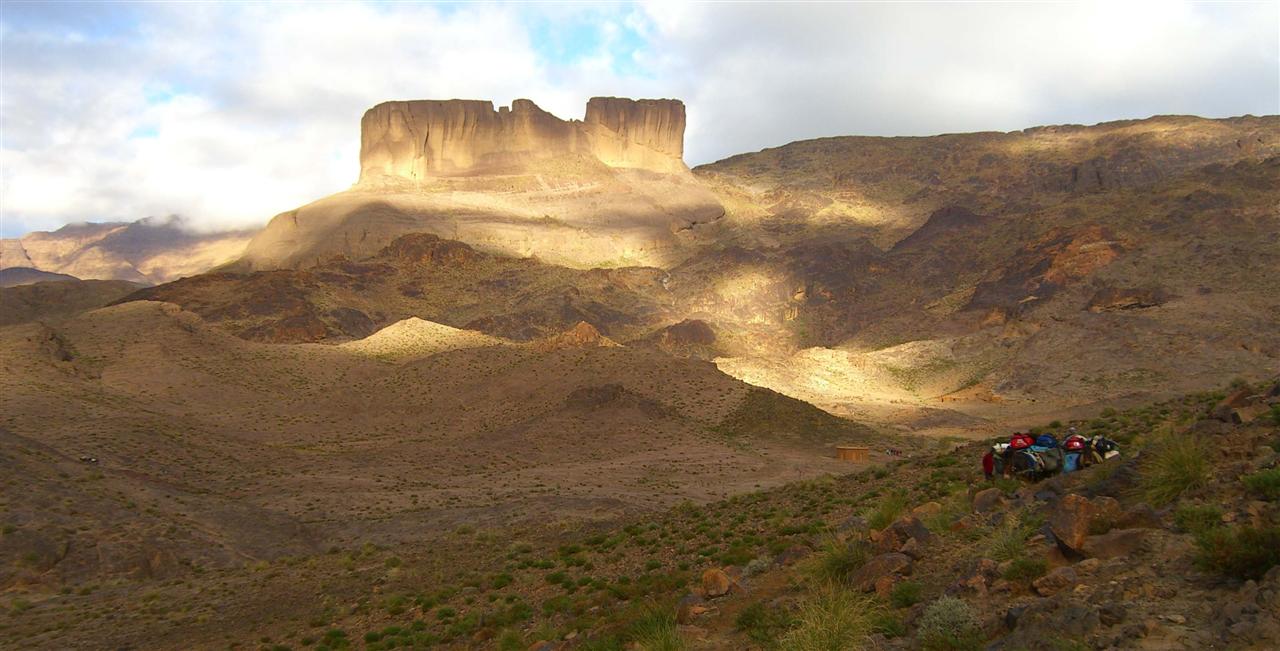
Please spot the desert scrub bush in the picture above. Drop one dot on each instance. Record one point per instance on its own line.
(1009, 540)
(1240, 552)
(949, 624)
(761, 624)
(1178, 464)
(1025, 569)
(905, 594)
(831, 618)
(887, 510)
(837, 560)
(1196, 518)
(1264, 483)
(656, 630)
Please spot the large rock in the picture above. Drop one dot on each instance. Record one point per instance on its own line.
(1054, 582)
(865, 578)
(987, 500)
(715, 583)
(1069, 523)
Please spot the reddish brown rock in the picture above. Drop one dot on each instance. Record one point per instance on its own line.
(1069, 523)
(715, 583)
(987, 500)
(865, 578)
(1055, 581)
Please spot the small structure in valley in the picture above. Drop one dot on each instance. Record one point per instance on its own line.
(853, 453)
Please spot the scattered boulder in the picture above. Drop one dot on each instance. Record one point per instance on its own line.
(927, 509)
(1069, 523)
(1115, 544)
(715, 583)
(987, 500)
(1226, 414)
(1055, 581)
(864, 579)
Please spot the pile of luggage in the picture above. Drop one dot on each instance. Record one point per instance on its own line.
(1033, 458)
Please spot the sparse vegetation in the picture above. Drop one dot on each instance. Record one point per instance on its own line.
(830, 618)
(1179, 463)
(1239, 552)
(948, 624)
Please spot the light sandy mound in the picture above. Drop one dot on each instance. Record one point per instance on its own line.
(414, 337)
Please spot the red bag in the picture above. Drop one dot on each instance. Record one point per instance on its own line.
(1075, 443)
(1020, 441)
(988, 464)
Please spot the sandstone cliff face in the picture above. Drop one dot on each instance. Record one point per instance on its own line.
(430, 138)
(646, 133)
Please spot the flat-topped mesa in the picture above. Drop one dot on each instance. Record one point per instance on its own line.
(424, 138)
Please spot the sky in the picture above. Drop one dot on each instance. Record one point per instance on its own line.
(229, 113)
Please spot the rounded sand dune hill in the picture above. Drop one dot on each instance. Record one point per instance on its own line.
(414, 337)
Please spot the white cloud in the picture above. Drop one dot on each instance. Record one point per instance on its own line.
(229, 113)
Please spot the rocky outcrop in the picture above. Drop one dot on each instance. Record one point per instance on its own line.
(420, 139)
(645, 133)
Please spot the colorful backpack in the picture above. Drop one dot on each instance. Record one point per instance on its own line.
(1071, 462)
(1019, 441)
(1046, 441)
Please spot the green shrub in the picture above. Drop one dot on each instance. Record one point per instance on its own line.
(888, 624)
(761, 624)
(1179, 464)
(511, 641)
(1025, 569)
(657, 631)
(838, 560)
(887, 510)
(905, 594)
(1264, 483)
(831, 618)
(949, 623)
(1197, 519)
(1240, 552)
(1009, 541)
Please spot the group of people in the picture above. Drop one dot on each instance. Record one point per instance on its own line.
(1035, 457)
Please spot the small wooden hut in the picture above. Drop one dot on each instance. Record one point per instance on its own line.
(853, 453)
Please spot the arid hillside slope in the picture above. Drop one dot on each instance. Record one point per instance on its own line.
(193, 449)
(147, 251)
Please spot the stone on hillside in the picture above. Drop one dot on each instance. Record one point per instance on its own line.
(865, 578)
(1055, 581)
(927, 509)
(911, 527)
(987, 500)
(690, 607)
(1069, 523)
(1226, 414)
(884, 585)
(912, 548)
(1116, 544)
(715, 583)
(853, 528)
